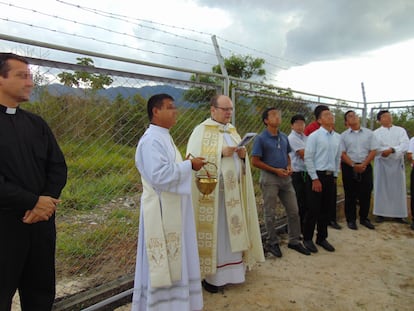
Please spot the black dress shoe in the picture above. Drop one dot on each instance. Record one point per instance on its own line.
(326, 245)
(210, 287)
(379, 219)
(310, 246)
(275, 250)
(335, 225)
(352, 225)
(299, 248)
(367, 223)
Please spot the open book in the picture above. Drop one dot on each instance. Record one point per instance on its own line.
(246, 139)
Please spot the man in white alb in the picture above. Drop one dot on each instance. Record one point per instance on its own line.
(390, 197)
(167, 275)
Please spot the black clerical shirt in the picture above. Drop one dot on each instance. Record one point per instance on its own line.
(31, 162)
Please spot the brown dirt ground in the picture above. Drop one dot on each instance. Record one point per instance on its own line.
(370, 270)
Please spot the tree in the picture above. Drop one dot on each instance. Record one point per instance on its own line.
(238, 66)
(86, 79)
(243, 67)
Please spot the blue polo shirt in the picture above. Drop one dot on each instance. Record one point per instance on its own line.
(272, 150)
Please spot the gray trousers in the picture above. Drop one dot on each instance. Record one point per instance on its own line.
(274, 187)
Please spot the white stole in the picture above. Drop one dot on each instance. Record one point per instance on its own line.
(162, 231)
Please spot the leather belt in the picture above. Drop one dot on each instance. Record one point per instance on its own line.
(325, 172)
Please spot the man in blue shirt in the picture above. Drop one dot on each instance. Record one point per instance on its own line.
(271, 154)
(322, 156)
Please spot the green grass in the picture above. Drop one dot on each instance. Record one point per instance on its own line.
(98, 171)
(91, 221)
(83, 246)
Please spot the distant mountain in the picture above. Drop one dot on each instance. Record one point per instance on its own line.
(112, 92)
(145, 91)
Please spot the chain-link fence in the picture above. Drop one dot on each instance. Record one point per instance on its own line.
(98, 129)
(401, 110)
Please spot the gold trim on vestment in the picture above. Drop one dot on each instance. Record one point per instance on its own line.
(162, 231)
(208, 206)
(207, 140)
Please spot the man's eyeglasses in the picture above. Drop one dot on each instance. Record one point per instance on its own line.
(229, 109)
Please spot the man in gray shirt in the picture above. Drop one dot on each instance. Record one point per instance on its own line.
(358, 146)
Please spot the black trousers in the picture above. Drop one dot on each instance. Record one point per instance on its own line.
(27, 263)
(332, 211)
(299, 183)
(357, 187)
(412, 193)
(319, 205)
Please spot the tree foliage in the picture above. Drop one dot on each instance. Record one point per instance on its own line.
(243, 67)
(238, 66)
(85, 79)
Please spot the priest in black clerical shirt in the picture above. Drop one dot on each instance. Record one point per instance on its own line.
(33, 173)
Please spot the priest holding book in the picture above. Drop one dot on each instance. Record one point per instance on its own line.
(228, 232)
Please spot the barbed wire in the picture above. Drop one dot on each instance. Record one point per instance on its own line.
(109, 30)
(104, 41)
(153, 26)
(127, 18)
(134, 21)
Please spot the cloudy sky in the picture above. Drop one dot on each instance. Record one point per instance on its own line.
(325, 47)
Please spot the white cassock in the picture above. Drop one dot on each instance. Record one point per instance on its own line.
(156, 160)
(390, 194)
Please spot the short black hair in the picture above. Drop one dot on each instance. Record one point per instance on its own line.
(380, 113)
(265, 113)
(347, 113)
(297, 117)
(5, 67)
(318, 110)
(156, 101)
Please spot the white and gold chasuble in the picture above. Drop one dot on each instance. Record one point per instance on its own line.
(207, 140)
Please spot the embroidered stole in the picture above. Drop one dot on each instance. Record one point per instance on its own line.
(162, 226)
(207, 214)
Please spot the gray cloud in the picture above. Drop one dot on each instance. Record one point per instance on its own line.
(306, 31)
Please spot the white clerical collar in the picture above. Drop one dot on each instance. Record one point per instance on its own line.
(8, 110)
(11, 110)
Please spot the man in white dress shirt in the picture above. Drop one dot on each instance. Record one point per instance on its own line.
(297, 141)
(322, 157)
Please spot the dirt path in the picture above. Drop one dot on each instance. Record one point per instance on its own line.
(370, 270)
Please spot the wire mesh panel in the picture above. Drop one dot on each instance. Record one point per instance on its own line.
(98, 116)
(249, 106)
(402, 112)
(98, 130)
